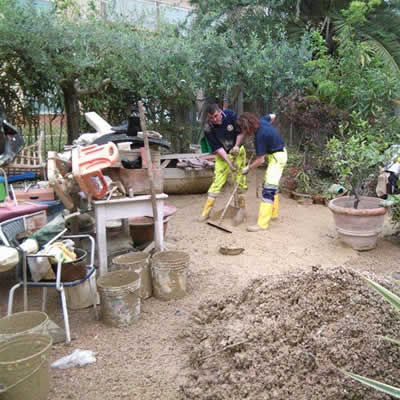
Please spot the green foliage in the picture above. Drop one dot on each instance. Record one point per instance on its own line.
(393, 203)
(394, 300)
(310, 182)
(356, 13)
(356, 155)
(382, 387)
(355, 79)
(44, 57)
(260, 65)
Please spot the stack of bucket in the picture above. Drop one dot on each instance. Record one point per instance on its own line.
(119, 297)
(137, 262)
(132, 280)
(24, 356)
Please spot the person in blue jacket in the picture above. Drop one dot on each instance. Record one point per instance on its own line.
(268, 142)
(224, 137)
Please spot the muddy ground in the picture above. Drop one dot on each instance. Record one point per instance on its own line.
(294, 335)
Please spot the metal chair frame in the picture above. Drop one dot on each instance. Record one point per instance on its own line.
(8, 231)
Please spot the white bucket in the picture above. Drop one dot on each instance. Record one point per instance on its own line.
(169, 271)
(120, 299)
(23, 323)
(80, 296)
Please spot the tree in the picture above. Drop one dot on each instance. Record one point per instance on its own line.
(375, 21)
(45, 58)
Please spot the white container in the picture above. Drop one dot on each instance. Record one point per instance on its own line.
(80, 296)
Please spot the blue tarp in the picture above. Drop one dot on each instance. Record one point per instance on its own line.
(27, 176)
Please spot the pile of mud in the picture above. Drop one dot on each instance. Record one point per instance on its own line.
(289, 337)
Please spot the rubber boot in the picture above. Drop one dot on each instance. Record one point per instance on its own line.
(241, 213)
(275, 207)
(264, 216)
(207, 209)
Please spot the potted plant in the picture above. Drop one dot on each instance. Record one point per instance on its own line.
(354, 158)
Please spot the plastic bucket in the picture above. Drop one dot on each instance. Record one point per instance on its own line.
(24, 367)
(80, 296)
(137, 262)
(23, 323)
(119, 297)
(169, 271)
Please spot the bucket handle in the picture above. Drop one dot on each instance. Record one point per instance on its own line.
(4, 389)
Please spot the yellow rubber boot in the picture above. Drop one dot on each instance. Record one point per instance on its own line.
(264, 216)
(207, 209)
(275, 207)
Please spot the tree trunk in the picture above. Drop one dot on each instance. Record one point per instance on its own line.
(181, 138)
(71, 100)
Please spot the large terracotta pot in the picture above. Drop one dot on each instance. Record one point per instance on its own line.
(359, 227)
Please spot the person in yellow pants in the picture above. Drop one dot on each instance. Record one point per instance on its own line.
(268, 142)
(225, 139)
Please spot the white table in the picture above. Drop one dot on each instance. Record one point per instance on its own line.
(127, 207)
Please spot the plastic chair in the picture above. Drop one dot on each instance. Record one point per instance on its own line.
(8, 234)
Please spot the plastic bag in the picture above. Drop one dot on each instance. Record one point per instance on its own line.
(77, 358)
(9, 258)
(60, 252)
(40, 268)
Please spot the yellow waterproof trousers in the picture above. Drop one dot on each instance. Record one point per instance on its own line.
(276, 164)
(221, 173)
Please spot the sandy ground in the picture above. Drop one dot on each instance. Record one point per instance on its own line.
(148, 360)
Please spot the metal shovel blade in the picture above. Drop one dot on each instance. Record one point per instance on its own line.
(230, 213)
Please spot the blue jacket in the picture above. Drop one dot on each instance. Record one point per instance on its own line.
(267, 139)
(223, 135)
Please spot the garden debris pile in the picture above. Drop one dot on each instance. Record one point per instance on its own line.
(288, 337)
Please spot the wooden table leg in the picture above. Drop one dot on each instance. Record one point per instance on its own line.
(159, 225)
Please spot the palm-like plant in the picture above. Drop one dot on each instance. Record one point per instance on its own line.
(380, 29)
(394, 300)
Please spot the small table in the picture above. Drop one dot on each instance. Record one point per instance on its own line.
(125, 208)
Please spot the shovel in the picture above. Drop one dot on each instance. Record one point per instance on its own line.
(235, 209)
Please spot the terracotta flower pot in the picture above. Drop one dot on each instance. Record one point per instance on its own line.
(359, 227)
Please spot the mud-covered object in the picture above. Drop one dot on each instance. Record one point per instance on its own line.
(289, 336)
(231, 251)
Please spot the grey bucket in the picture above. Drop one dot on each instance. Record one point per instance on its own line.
(24, 367)
(23, 323)
(137, 262)
(169, 271)
(119, 297)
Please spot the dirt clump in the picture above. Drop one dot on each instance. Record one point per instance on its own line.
(289, 337)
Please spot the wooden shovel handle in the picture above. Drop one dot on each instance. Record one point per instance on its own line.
(150, 172)
(233, 193)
